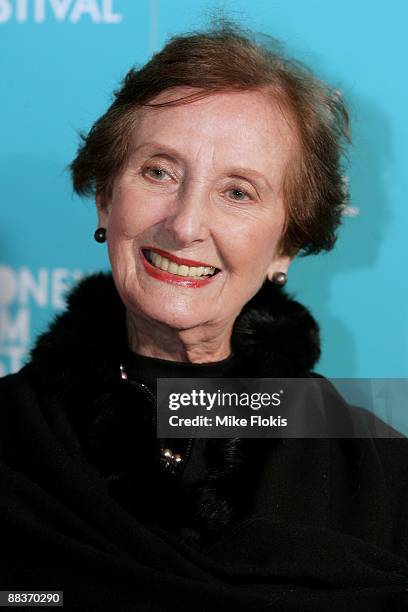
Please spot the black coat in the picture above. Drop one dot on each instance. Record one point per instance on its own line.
(285, 525)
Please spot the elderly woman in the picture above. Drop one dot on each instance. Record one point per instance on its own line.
(216, 164)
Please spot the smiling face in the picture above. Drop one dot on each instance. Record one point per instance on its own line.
(203, 183)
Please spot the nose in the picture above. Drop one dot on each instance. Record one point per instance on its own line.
(188, 220)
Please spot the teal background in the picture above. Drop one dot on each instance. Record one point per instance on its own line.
(57, 77)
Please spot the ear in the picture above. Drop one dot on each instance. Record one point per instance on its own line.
(103, 208)
(280, 264)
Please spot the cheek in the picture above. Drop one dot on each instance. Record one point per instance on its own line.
(135, 211)
(253, 248)
(127, 218)
(122, 229)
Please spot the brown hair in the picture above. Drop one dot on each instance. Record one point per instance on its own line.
(227, 58)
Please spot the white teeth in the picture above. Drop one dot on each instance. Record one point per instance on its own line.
(156, 259)
(183, 270)
(173, 267)
(170, 266)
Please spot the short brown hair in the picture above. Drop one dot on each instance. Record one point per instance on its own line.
(227, 58)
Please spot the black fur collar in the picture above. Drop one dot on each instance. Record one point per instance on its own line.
(77, 361)
(273, 336)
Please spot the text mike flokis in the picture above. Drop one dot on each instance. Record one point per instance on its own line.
(228, 421)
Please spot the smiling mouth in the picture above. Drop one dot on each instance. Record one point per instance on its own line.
(193, 272)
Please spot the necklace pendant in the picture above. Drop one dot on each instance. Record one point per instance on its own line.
(170, 461)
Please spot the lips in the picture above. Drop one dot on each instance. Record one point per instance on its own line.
(175, 279)
(181, 261)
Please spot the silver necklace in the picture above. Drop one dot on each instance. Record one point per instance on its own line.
(169, 460)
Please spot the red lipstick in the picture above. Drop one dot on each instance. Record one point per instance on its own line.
(174, 279)
(178, 260)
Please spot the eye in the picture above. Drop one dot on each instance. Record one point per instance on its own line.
(240, 195)
(156, 172)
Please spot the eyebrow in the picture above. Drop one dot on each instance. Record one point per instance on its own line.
(172, 154)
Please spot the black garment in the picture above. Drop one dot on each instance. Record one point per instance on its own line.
(146, 370)
(281, 525)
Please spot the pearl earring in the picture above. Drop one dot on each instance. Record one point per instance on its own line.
(278, 278)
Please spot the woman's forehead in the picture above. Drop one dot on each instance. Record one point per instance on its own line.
(225, 124)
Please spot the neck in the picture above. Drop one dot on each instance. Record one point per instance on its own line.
(194, 345)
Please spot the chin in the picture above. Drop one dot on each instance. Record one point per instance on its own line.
(179, 321)
(164, 314)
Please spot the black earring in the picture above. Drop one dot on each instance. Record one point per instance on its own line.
(279, 278)
(100, 234)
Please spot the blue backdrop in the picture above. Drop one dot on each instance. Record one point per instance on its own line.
(59, 62)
